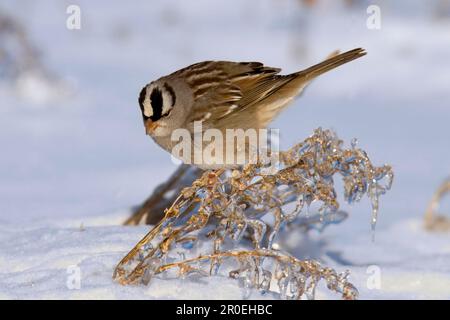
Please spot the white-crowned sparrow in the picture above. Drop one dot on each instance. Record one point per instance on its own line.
(224, 95)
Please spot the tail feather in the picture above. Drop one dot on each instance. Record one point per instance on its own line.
(262, 103)
(330, 63)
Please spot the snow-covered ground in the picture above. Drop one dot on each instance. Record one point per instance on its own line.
(72, 164)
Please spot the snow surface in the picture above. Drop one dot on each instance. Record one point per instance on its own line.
(72, 167)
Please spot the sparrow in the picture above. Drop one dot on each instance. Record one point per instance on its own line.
(223, 95)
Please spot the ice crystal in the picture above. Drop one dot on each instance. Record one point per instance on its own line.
(233, 218)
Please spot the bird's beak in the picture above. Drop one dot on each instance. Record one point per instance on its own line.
(150, 126)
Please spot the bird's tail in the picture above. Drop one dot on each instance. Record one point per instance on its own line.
(282, 89)
(335, 60)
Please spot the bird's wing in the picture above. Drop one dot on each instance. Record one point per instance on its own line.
(223, 88)
(249, 94)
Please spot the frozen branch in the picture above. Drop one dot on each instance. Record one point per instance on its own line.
(203, 230)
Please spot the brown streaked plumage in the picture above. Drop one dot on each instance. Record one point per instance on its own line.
(225, 95)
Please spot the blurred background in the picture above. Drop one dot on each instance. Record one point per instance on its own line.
(72, 139)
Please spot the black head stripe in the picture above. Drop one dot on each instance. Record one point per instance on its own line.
(171, 92)
(141, 101)
(142, 98)
(157, 104)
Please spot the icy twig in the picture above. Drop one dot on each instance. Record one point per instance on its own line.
(212, 220)
(152, 210)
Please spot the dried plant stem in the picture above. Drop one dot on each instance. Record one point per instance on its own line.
(212, 219)
(346, 289)
(152, 210)
(434, 221)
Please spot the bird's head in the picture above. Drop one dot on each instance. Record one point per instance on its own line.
(157, 100)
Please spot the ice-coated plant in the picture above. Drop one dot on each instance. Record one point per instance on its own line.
(229, 221)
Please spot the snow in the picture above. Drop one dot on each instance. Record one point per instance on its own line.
(73, 165)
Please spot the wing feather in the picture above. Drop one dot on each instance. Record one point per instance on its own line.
(249, 94)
